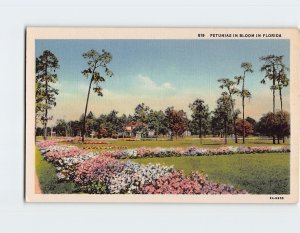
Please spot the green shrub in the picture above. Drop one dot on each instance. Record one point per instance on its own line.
(48, 180)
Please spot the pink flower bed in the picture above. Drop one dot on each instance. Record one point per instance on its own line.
(100, 168)
(194, 184)
(192, 151)
(105, 147)
(102, 173)
(95, 142)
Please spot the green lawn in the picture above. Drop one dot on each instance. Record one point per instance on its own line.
(46, 174)
(183, 143)
(256, 173)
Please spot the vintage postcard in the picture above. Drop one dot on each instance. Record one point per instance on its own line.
(182, 115)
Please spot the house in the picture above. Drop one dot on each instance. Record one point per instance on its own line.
(187, 133)
(131, 126)
(140, 130)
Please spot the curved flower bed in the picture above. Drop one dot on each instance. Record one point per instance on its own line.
(95, 142)
(99, 173)
(105, 147)
(191, 151)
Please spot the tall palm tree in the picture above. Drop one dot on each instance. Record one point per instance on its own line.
(282, 81)
(247, 66)
(273, 67)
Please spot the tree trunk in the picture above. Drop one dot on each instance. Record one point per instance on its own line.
(46, 110)
(273, 101)
(200, 131)
(86, 106)
(45, 128)
(235, 133)
(233, 118)
(243, 104)
(278, 142)
(274, 77)
(274, 139)
(283, 139)
(280, 95)
(225, 131)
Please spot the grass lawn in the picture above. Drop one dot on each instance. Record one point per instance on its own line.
(46, 174)
(256, 173)
(182, 142)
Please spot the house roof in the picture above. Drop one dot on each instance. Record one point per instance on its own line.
(135, 124)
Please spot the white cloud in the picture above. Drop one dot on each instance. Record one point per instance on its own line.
(148, 84)
(167, 85)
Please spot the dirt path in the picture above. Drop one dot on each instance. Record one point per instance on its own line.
(37, 185)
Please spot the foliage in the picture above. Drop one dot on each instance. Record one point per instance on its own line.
(222, 115)
(275, 125)
(267, 123)
(251, 121)
(231, 90)
(157, 122)
(95, 60)
(244, 93)
(177, 121)
(200, 116)
(275, 71)
(141, 113)
(61, 127)
(243, 127)
(102, 133)
(45, 69)
(91, 124)
(283, 124)
(110, 124)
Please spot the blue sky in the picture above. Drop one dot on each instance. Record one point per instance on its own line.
(160, 73)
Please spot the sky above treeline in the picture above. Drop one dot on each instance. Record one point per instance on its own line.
(161, 73)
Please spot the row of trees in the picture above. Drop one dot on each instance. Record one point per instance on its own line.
(274, 70)
(174, 123)
(222, 121)
(226, 114)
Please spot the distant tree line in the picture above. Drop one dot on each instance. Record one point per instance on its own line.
(174, 123)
